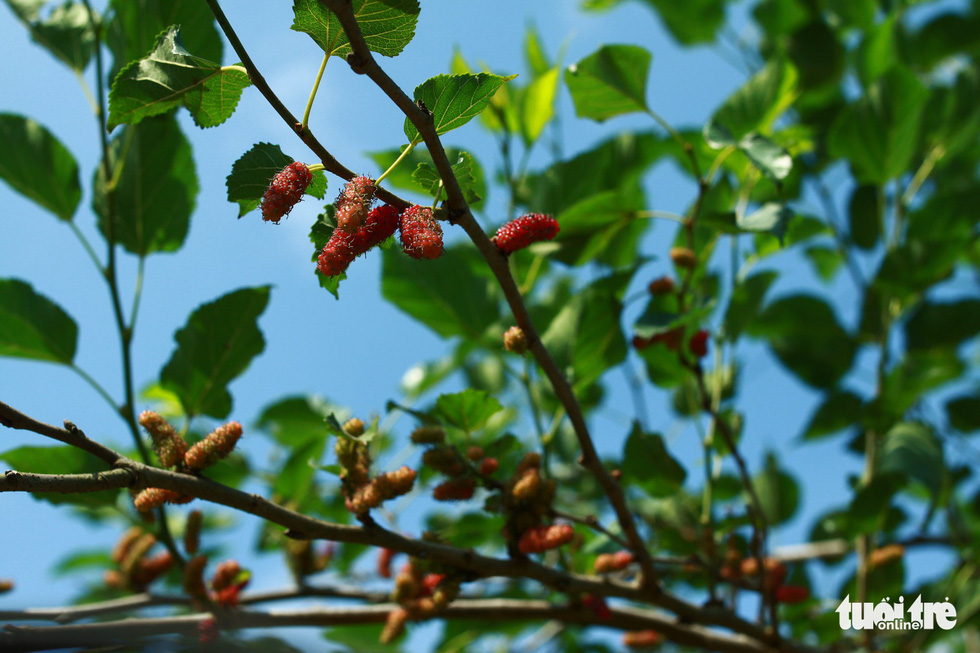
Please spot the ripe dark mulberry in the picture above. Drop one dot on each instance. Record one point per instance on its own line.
(521, 232)
(420, 233)
(285, 191)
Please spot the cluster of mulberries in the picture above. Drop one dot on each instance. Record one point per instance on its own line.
(285, 191)
(420, 595)
(361, 492)
(455, 489)
(343, 247)
(135, 568)
(525, 230)
(215, 446)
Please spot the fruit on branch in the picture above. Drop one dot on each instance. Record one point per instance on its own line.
(885, 555)
(408, 583)
(610, 562)
(383, 488)
(428, 435)
(543, 538)
(354, 427)
(125, 543)
(598, 605)
(527, 485)
(354, 202)
(525, 230)
(136, 553)
(475, 453)
(683, 257)
(384, 562)
(455, 489)
(661, 286)
(207, 630)
(194, 576)
(394, 625)
(215, 446)
(775, 571)
(192, 532)
(343, 247)
(488, 466)
(168, 444)
(515, 341)
(698, 344)
(791, 594)
(445, 591)
(285, 191)
(227, 583)
(420, 233)
(149, 569)
(154, 497)
(444, 460)
(642, 638)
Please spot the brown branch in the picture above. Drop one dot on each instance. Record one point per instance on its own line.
(362, 61)
(138, 476)
(71, 435)
(19, 638)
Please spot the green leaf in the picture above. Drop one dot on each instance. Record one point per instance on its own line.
(879, 49)
(534, 54)
(826, 260)
(538, 105)
(217, 344)
(964, 413)
(692, 21)
(453, 295)
(912, 450)
(717, 136)
(610, 81)
(295, 420)
(879, 134)
(66, 32)
(387, 25)
(747, 298)
(863, 217)
(920, 371)
(404, 175)
(427, 177)
(604, 227)
(840, 410)
(170, 77)
(615, 164)
(807, 338)
(870, 506)
(935, 325)
(778, 492)
(84, 559)
(32, 326)
(134, 26)
(155, 191)
(760, 101)
(36, 164)
(773, 160)
(61, 460)
(454, 100)
(252, 172)
(771, 218)
(649, 466)
(468, 410)
(585, 336)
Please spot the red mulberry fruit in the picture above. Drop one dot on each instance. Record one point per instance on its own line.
(543, 538)
(285, 191)
(217, 445)
(354, 203)
(521, 232)
(420, 232)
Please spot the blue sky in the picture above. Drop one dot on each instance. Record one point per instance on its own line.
(353, 351)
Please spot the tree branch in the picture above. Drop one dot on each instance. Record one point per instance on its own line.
(21, 638)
